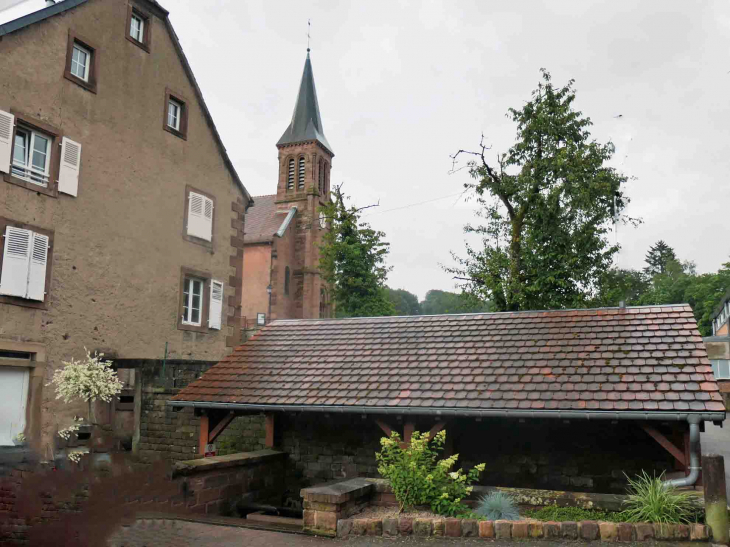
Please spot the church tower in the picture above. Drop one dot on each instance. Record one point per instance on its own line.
(283, 231)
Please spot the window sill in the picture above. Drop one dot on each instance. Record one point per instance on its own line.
(23, 302)
(88, 86)
(199, 241)
(49, 190)
(192, 328)
(140, 45)
(175, 132)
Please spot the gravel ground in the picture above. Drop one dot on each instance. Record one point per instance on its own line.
(374, 512)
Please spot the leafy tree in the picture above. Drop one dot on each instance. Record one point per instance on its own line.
(404, 302)
(438, 302)
(547, 204)
(617, 285)
(352, 262)
(658, 258)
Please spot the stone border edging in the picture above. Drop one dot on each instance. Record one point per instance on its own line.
(522, 529)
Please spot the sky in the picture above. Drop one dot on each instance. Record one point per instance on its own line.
(403, 85)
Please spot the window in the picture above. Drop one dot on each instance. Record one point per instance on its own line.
(192, 301)
(176, 115)
(287, 275)
(301, 173)
(199, 216)
(721, 369)
(322, 304)
(31, 156)
(321, 176)
(290, 179)
(138, 30)
(24, 264)
(201, 301)
(81, 62)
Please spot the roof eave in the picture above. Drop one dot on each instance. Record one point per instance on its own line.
(666, 416)
(37, 16)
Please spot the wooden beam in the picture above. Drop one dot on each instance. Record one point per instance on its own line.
(668, 445)
(203, 440)
(386, 429)
(438, 426)
(220, 426)
(269, 419)
(408, 430)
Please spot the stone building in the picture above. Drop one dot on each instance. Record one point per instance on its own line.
(122, 222)
(283, 230)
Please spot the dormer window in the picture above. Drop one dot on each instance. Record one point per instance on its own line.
(301, 173)
(290, 179)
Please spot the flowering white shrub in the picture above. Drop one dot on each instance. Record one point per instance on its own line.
(66, 432)
(88, 380)
(75, 456)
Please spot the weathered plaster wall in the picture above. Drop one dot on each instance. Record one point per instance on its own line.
(256, 277)
(118, 246)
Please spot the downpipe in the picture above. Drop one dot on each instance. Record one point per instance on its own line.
(694, 458)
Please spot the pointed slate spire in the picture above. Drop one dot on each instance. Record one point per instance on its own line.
(306, 123)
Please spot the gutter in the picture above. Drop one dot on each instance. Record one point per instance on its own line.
(693, 417)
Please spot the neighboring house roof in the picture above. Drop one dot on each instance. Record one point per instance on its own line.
(638, 363)
(66, 5)
(306, 123)
(263, 221)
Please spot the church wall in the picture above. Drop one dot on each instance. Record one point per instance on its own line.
(256, 277)
(286, 306)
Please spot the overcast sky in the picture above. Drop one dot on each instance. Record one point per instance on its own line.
(402, 85)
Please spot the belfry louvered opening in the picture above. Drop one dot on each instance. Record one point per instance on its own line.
(290, 180)
(301, 173)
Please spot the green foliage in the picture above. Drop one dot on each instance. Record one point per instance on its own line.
(547, 205)
(658, 258)
(651, 500)
(352, 262)
(418, 477)
(497, 506)
(562, 514)
(438, 302)
(404, 302)
(616, 285)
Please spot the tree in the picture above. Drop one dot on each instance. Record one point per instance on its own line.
(404, 302)
(547, 204)
(658, 257)
(618, 285)
(438, 302)
(352, 262)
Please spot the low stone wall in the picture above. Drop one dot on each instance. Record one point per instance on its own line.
(520, 530)
(326, 505)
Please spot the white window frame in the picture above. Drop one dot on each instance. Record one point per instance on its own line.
(721, 369)
(188, 300)
(86, 67)
(139, 30)
(27, 170)
(175, 119)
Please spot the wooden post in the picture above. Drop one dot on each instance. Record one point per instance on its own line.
(203, 440)
(713, 469)
(408, 432)
(269, 418)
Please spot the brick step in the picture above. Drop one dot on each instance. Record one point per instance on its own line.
(259, 517)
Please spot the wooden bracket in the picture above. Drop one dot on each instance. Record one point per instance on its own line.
(385, 427)
(220, 426)
(438, 426)
(668, 445)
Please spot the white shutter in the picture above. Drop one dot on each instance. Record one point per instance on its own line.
(215, 312)
(6, 140)
(68, 175)
(208, 219)
(197, 225)
(16, 258)
(37, 272)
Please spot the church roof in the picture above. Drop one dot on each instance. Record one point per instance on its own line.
(262, 220)
(306, 123)
(636, 363)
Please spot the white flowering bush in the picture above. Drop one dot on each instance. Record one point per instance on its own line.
(418, 477)
(75, 456)
(66, 432)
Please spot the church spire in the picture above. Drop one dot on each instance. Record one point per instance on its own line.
(306, 123)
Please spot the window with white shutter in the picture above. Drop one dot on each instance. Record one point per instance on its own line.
(16, 258)
(7, 121)
(68, 175)
(200, 216)
(215, 313)
(37, 268)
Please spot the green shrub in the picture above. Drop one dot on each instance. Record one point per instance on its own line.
(418, 477)
(497, 506)
(651, 500)
(562, 514)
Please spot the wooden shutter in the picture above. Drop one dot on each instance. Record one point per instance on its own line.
(215, 312)
(16, 258)
(68, 175)
(6, 140)
(196, 217)
(37, 268)
(208, 219)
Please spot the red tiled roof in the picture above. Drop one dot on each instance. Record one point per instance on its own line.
(262, 220)
(641, 358)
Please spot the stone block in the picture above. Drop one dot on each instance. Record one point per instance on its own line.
(608, 531)
(699, 532)
(486, 529)
(536, 529)
(359, 527)
(374, 527)
(665, 531)
(625, 531)
(551, 530)
(326, 520)
(390, 527)
(520, 529)
(439, 527)
(569, 529)
(469, 528)
(682, 532)
(453, 528)
(644, 531)
(503, 529)
(589, 530)
(405, 526)
(422, 527)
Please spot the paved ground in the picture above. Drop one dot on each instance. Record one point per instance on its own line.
(716, 440)
(169, 533)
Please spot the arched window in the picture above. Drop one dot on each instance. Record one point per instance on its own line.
(290, 180)
(321, 176)
(286, 281)
(322, 304)
(326, 177)
(301, 172)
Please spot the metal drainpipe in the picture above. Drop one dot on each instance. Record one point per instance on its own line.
(694, 459)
